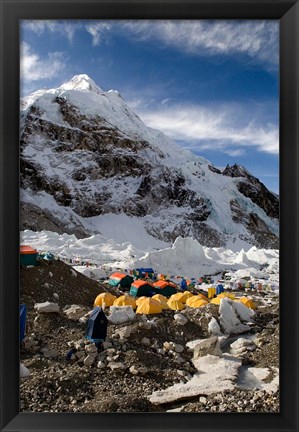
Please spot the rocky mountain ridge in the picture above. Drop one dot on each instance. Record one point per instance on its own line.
(84, 153)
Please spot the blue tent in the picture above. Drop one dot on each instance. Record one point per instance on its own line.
(144, 270)
(184, 285)
(23, 313)
(219, 289)
(97, 325)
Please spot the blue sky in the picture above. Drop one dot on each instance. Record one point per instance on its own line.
(212, 86)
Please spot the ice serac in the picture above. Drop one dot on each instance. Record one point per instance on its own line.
(85, 153)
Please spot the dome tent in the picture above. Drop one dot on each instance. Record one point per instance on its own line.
(247, 302)
(141, 288)
(162, 300)
(197, 303)
(125, 300)
(120, 279)
(181, 297)
(106, 298)
(196, 298)
(175, 304)
(149, 306)
(165, 288)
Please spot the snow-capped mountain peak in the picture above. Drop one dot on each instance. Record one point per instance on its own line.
(85, 154)
(81, 82)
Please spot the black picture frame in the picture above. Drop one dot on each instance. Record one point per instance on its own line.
(287, 12)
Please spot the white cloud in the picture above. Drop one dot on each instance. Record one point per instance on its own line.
(63, 28)
(33, 68)
(223, 129)
(97, 30)
(257, 39)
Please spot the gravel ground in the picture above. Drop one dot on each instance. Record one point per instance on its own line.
(57, 384)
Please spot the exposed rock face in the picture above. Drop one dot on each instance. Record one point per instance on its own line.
(252, 188)
(85, 152)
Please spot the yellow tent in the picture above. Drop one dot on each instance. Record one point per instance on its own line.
(211, 292)
(106, 298)
(247, 302)
(196, 301)
(125, 300)
(139, 300)
(191, 300)
(195, 298)
(175, 304)
(216, 300)
(162, 300)
(204, 297)
(149, 306)
(182, 296)
(226, 294)
(199, 303)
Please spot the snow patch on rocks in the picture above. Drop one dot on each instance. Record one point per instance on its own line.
(215, 374)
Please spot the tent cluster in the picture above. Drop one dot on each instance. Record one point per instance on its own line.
(142, 287)
(157, 303)
(151, 297)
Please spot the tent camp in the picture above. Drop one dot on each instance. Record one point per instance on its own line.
(96, 325)
(106, 298)
(142, 288)
(149, 306)
(120, 279)
(165, 288)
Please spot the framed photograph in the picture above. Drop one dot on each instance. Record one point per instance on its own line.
(149, 213)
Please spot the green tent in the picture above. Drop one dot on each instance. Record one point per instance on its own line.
(141, 288)
(121, 279)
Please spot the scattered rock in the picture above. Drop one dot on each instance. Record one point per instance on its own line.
(46, 307)
(180, 319)
(24, 372)
(207, 346)
(74, 312)
(116, 366)
(121, 314)
(145, 341)
(50, 353)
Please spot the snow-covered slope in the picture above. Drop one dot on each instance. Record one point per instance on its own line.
(86, 155)
(186, 257)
